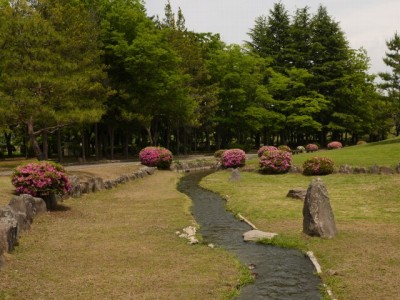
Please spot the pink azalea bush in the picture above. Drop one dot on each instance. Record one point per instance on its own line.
(275, 162)
(159, 157)
(265, 148)
(335, 145)
(311, 148)
(318, 166)
(233, 158)
(41, 179)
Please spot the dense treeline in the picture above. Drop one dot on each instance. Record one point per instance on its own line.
(101, 78)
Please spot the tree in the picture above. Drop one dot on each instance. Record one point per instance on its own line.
(391, 80)
(51, 75)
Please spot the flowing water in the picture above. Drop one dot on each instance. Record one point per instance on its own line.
(279, 273)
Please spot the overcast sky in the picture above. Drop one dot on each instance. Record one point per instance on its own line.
(366, 23)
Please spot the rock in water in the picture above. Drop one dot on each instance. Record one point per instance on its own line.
(235, 175)
(318, 219)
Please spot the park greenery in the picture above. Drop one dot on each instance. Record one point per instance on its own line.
(99, 78)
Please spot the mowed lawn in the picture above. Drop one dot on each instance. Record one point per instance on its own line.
(118, 244)
(363, 260)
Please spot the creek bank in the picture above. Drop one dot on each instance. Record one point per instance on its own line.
(19, 214)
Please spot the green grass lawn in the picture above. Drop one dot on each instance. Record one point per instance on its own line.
(363, 260)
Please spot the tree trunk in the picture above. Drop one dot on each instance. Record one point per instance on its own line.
(45, 145)
(111, 133)
(32, 139)
(59, 146)
(126, 143)
(83, 145)
(148, 129)
(96, 141)
(9, 146)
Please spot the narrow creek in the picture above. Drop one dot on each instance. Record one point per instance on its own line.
(279, 273)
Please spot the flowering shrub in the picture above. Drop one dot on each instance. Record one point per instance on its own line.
(318, 166)
(275, 162)
(284, 148)
(40, 179)
(156, 157)
(311, 148)
(233, 158)
(218, 153)
(265, 148)
(300, 149)
(335, 145)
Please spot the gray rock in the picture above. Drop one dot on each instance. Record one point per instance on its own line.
(318, 218)
(149, 171)
(75, 191)
(295, 169)
(256, 235)
(397, 168)
(38, 204)
(84, 187)
(374, 169)
(345, 169)
(358, 170)
(297, 194)
(108, 184)
(8, 236)
(91, 185)
(19, 204)
(386, 171)
(9, 216)
(51, 201)
(98, 184)
(235, 176)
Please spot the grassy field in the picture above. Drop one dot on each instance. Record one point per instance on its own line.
(363, 261)
(118, 244)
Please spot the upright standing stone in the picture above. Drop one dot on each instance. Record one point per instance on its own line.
(318, 219)
(235, 175)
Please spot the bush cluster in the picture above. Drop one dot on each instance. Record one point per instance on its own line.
(159, 157)
(312, 148)
(275, 162)
(233, 158)
(265, 148)
(334, 145)
(318, 166)
(40, 179)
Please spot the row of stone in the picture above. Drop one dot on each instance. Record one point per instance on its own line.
(18, 215)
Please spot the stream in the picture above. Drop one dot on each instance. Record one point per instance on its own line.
(279, 273)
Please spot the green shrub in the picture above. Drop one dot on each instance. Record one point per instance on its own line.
(318, 166)
(361, 142)
(218, 153)
(284, 148)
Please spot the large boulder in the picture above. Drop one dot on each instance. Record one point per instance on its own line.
(318, 219)
(10, 216)
(345, 169)
(75, 191)
(8, 236)
(18, 204)
(235, 175)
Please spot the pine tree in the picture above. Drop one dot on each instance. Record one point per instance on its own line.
(391, 80)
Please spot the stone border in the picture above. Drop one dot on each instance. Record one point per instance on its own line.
(18, 215)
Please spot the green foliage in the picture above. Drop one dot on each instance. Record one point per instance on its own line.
(318, 166)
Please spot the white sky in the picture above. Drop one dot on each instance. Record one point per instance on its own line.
(366, 23)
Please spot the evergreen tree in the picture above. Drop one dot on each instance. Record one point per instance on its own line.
(391, 80)
(50, 70)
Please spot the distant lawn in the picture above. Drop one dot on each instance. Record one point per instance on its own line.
(363, 261)
(384, 153)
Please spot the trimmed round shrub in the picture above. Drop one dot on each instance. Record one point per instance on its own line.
(318, 166)
(300, 149)
(41, 179)
(159, 157)
(334, 145)
(218, 153)
(284, 148)
(361, 142)
(233, 158)
(312, 148)
(275, 162)
(265, 148)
